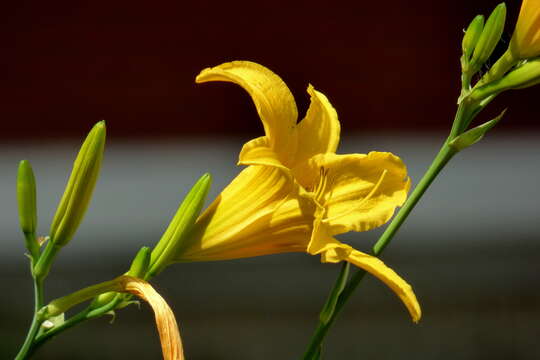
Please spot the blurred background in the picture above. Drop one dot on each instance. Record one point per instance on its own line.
(391, 69)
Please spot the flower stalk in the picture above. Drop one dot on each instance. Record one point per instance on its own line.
(441, 159)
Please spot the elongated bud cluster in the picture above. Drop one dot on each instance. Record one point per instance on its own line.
(26, 198)
(179, 227)
(79, 188)
(488, 40)
(524, 45)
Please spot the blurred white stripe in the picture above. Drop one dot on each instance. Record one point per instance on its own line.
(489, 190)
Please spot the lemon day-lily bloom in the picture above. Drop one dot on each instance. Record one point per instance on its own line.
(525, 42)
(296, 193)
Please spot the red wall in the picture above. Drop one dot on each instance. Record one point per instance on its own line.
(384, 64)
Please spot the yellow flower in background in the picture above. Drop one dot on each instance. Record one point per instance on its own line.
(297, 194)
(525, 42)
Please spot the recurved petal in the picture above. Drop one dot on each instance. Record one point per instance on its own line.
(337, 252)
(318, 132)
(259, 152)
(273, 100)
(333, 251)
(165, 321)
(361, 192)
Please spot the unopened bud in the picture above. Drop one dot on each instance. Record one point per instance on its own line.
(179, 227)
(26, 198)
(140, 263)
(491, 34)
(523, 76)
(80, 186)
(138, 269)
(472, 35)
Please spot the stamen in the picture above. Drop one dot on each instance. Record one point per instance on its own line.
(369, 196)
(322, 185)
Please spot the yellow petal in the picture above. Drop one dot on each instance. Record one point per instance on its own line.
(361, 191)
(169, 334)
(318, 132)
(333, 251)
(525, 42)
(259, 152)
(377, 268)
(259, 213)
(273, 100)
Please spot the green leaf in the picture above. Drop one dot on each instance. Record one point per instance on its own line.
(472, 136)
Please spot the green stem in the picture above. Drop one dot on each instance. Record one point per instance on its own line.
(445, 154)
(36, 322)
(442, 158)
(40, 264)
(42, 267)
(87, 314)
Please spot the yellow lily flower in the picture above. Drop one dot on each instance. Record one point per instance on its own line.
(525, 42)
(296, 193)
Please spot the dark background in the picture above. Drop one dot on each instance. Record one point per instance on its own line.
(390, 68)
(385, 65)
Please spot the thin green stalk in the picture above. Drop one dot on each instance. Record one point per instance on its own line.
(445, 154)
(36, 321)
(86, 314)
(39, 272)
(442, 158)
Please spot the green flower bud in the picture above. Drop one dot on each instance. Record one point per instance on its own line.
(523, 76)
(471, 37)
(80, 186)
(179, 227)
(26, 198)
(138, 269)
(491, 34)
(140, 264)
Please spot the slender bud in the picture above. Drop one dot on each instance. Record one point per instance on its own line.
(26, 198)
(79, 188)
(140, 263)
(179, 227)
(472, 35)
(491, 34)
